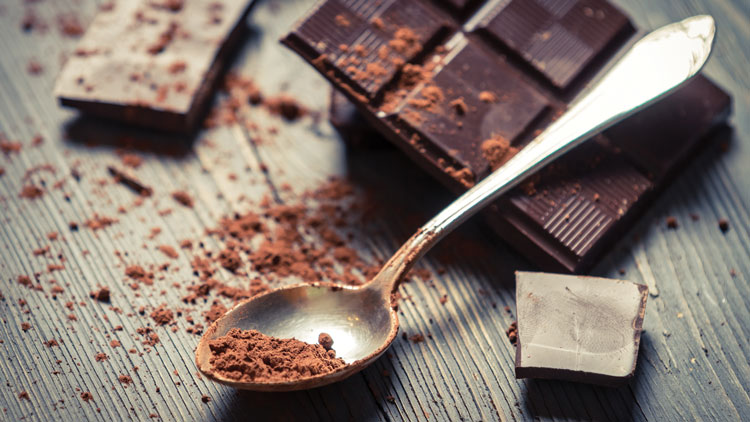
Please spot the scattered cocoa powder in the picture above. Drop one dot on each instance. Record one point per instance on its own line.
(33, 67)
(464, 176)
(460, 107)
(230, 259)
(417, 338)
(70, 26)
(162, 315)
(286, 107)
(138, 273)
(487, 97)
(497, 151)
(31, 192)
(9, 147)
(131, 160)
(97, 222)
(169, 251)
(216, 311)
(405, 41)
(250, 356)
(342, 20)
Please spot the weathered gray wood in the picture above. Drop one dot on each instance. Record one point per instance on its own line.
(694, 356)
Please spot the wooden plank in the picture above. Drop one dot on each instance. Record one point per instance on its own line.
(694, 358)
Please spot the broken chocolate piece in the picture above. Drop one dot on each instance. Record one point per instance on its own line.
(471, 98)
(152, 66)
(578, 328)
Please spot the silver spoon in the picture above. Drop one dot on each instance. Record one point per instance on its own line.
(362, 320)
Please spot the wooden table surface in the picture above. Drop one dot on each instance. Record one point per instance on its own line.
(693, 362)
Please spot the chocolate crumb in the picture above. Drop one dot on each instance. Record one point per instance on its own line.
(286, 107)
(672, 222)
(205, 398)
(417, 338)
(102, 295)
(512, 332)
(100, 357)
(87, 396)
(169, 251)
(325, 340)
(130, 181)
(31, 192)
(70, 26)
(724, 225)
(459, 106)
(487, 97)
(464, 176)
(125, 379)
(23, 395)
(25, 326)
(33, 67)
(183, 198)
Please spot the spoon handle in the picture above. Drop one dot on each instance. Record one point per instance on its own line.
(653, 67)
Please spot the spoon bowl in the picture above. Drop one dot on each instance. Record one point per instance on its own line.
(359, 319)
(362, 321)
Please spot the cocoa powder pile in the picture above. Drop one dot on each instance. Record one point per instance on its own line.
(250, 356)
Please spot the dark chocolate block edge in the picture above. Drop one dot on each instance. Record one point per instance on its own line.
(168, 121)
(567, 216)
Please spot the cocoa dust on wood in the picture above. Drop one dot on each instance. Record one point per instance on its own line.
(250, 356)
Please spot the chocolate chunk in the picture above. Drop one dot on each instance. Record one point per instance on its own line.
(149, 65)
(469, 72)
(558, 38)
(365, 44)
(477, 92)
(577, 328)
(575, 202)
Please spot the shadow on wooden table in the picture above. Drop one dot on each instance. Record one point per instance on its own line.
(407, 197)
(95, 132)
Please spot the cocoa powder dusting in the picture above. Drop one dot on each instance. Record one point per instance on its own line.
(497, 151)
(250, 356)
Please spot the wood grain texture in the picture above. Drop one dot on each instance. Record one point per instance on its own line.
(693, 362)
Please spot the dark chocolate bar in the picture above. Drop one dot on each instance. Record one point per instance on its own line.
(462, 92)
(152, 63)
(578, 328)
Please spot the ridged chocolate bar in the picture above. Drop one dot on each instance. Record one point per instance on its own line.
(461, 87)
